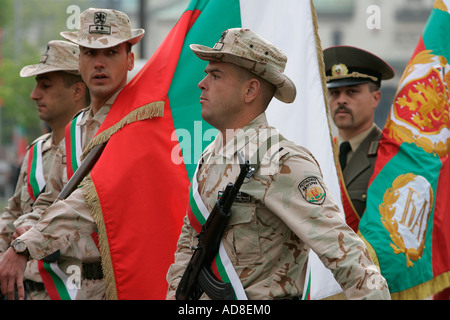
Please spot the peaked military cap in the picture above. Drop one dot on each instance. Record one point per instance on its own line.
(347, 66)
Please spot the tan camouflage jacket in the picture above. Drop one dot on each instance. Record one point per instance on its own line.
(21, 202)
(60, 226)
(283, 212)
(89, 125)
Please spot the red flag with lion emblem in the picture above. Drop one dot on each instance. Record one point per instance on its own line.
(406, 224)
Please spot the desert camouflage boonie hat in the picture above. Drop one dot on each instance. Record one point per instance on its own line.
(103, 28)
(60, 56)
(250, 51)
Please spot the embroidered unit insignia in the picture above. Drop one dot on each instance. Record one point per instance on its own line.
(100, 27)
(312, 190)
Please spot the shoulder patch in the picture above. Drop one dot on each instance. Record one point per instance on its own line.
(312, 190)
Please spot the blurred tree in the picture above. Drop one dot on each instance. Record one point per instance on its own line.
(27, 26)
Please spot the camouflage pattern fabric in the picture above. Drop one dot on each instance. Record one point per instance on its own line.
(281, 213)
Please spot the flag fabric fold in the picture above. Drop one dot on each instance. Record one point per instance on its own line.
(140, 185)
(406, 224)
(137, 194)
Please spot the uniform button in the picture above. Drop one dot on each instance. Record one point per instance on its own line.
(364, 196)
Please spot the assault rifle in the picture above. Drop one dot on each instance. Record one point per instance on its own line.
(198, 276)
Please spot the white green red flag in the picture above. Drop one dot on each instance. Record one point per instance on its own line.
(292, 26)
(406, 224)
(140, 186)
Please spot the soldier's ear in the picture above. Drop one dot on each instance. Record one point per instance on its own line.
(252, 90)
(130, 61)
(376, 97)
(79, 91)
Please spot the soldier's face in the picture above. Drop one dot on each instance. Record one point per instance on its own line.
(222, 95)
(105, 70)
(53, 98)
(353, 107)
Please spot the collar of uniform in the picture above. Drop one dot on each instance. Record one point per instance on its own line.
(48, 144)
(102, 113)
(356, 140)
(240, 138)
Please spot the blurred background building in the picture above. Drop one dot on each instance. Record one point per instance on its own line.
(389, 29)
(350, 22)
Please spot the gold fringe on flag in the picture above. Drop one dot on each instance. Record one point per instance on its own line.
(91, 196)
(154, 109)
(149, 111)
(322, 73)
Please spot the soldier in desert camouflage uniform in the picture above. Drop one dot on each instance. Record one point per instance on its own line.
(285, 209)
(105, 39)
(59, 94)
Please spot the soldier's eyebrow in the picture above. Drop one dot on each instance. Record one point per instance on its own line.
(213, 70)
(116, 47)
(43, 77)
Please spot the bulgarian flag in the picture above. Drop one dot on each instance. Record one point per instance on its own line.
(140, 184)
(406, 224)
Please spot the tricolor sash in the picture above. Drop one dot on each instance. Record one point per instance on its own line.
(222, 265)
(74, 152)
(56, 281)
(35, 172)
(307, 286)
(73, 144)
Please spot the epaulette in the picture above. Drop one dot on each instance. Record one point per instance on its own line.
(373, 148)
(269, 154)
(44, 137)
(78, 113)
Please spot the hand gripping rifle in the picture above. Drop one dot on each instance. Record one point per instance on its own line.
(198, 276)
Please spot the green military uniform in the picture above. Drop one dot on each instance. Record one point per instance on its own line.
(360, 166)
(349, 66)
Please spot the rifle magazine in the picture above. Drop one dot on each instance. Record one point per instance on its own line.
(213, 287)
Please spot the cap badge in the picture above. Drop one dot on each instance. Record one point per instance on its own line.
(44, 57)
(339, 70)
(99, 27)
(219, 45)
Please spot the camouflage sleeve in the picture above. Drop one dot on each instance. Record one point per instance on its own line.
(57, 178)
(14, 209)
(61, 224)
(299, 197)
(183, 255)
